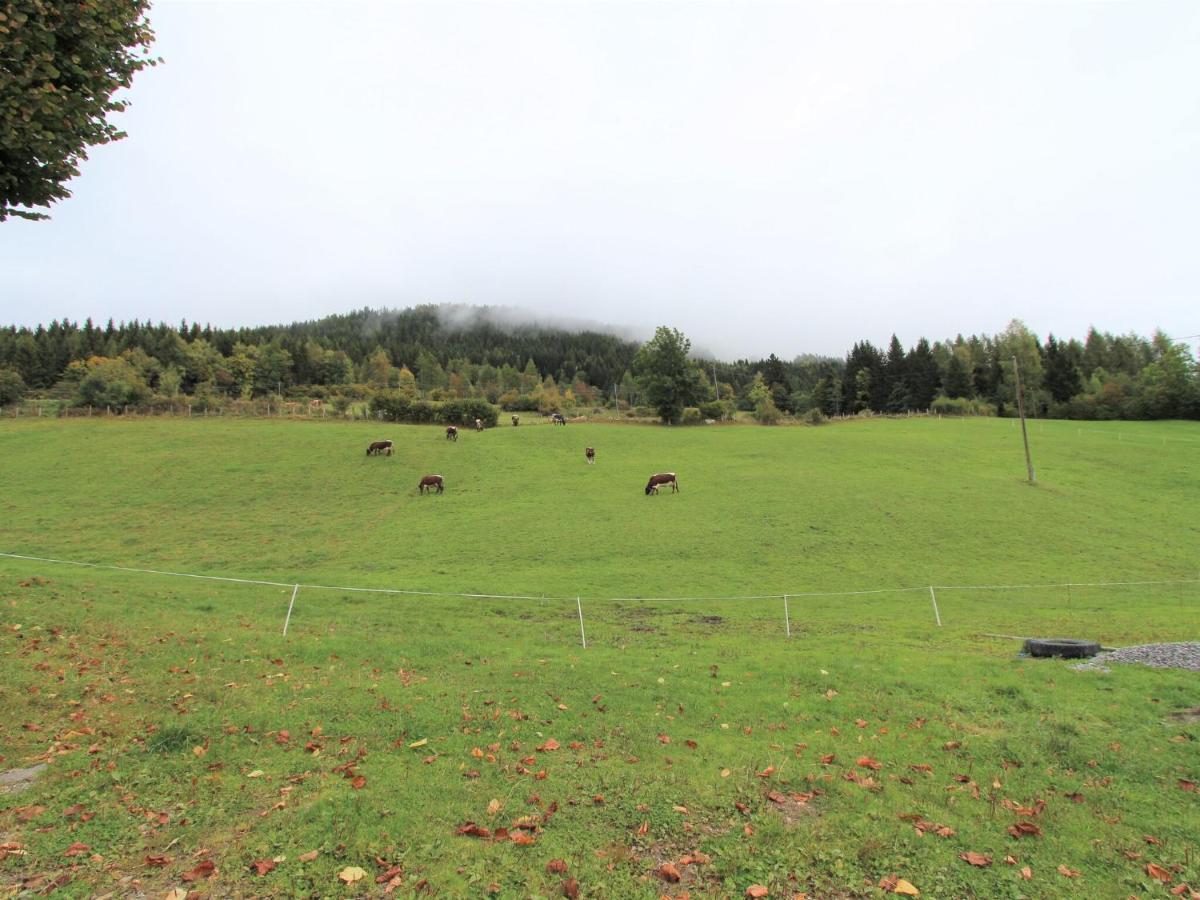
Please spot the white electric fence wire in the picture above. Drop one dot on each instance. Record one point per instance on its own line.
(789, 595)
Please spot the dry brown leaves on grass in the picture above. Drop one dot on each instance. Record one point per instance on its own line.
(975, 859)
(923, 825)
(1024, 829)
(894, 884)
(1158, 873)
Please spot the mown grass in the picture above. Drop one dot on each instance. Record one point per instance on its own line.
(155, 700)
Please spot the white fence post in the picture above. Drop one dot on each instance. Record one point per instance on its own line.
(295, 591)
(582, 636)
(787, 619)
(937, 615)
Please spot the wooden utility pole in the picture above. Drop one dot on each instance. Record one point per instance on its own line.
(1021, 413)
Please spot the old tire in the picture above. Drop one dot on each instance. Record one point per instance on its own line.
(1067, 648)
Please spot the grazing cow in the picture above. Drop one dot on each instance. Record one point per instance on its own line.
(431, 483)
(479, 424)
(664, 478)
(516, 421)
(380, 447)
(557, 419)
(451, 433)
(590, 454)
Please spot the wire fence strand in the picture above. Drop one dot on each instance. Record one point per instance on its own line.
(685, 599)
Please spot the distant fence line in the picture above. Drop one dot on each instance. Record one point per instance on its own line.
(797, 595)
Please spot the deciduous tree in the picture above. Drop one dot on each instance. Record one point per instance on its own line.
(668, 377)
(61, 63)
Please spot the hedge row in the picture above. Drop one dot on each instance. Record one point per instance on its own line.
(395, 407)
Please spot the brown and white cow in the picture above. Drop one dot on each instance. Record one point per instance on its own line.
(662, 478)
(430, 483)
(379, 447)
(516, 421)
(451, 433)
(479, 424)
(590, 455)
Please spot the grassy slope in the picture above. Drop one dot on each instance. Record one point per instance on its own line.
(157, 667)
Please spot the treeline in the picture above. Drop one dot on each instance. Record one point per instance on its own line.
(1104, 376)
(444, 354)
(435, 353)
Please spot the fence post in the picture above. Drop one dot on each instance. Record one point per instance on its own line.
(937, 615)
(582, 636)
(787, 619)
(295, 591)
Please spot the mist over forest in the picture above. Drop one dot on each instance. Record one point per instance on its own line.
(523, 361)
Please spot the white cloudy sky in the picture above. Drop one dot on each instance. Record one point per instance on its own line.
(785, 177)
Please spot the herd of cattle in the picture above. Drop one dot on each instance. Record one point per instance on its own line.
(431, 483)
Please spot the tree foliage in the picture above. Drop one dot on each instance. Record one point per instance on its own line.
(61, 65)
(668, 377)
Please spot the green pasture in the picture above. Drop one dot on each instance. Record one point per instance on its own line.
(181, 728)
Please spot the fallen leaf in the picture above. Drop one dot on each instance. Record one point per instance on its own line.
(309, 856)
(262, 866)
(421, 743)
(351, 874)
(257, 773)
(756, 890)
(551, 744)
(668, 872)
(975, 859)
(494, 807)
(1026, 873)
(905, 887)
(1185, 785)
(867, 763)
(1024, 829)
(1158, 873)
(1068, 872)
(390, 874)
(570, 889)
(204, 869)
(76, 849)
(558, 866)
(767, 772)
(158, 859)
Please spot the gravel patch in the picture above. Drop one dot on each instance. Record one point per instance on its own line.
(1160, 656)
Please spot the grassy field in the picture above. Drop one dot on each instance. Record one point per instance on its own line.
(191, 746)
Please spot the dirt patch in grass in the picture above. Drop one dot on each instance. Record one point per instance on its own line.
(708, 620)
(793, 809)
(1186, 716)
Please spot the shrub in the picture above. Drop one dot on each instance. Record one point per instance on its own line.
(766, 412)
(960, 406)
(12, 386)
(522, 403)
(815, 417)
(691, 416)
(395, 407)
(111, 382)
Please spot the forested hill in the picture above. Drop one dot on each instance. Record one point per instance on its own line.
(419, 338)
(478, 335)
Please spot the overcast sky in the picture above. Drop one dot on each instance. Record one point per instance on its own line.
(784, 178)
